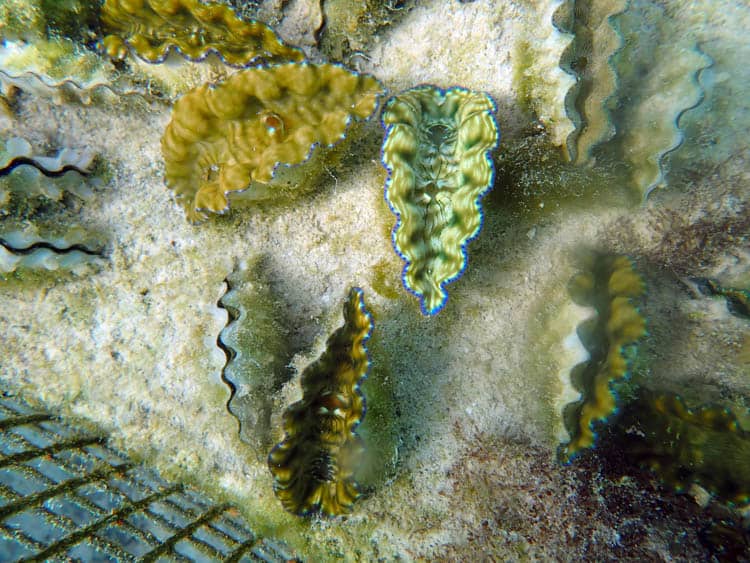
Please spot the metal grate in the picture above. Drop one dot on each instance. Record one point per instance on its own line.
(64, 494)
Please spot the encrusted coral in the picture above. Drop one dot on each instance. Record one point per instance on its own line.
(153, 27)
(610, 287)
(314, 466)
(225, 138)
(705, 445)
(254, 343)
(437, 152)
(596, 41)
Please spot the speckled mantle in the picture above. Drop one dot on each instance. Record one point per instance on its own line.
(470, 399)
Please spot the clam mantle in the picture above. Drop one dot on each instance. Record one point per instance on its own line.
(314, 466)
(437, 153)
(224, 138)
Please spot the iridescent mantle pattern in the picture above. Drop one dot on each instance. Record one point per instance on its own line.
(437, 152)
(152, 28)
(314, 466)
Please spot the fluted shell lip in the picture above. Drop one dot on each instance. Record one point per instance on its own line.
(625, 104)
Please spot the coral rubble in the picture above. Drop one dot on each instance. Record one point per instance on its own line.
(314, 466)
(153, 27)
(224, 138)
(610, 287)
(437, 152)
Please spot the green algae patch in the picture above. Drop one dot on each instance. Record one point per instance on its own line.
(523, 78)
(383, 280)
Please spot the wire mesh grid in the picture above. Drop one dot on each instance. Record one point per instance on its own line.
(65, 495)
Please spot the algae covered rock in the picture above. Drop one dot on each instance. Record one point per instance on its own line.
(437, 153)
(239, 134)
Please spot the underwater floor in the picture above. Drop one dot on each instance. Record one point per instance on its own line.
(562, 371)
